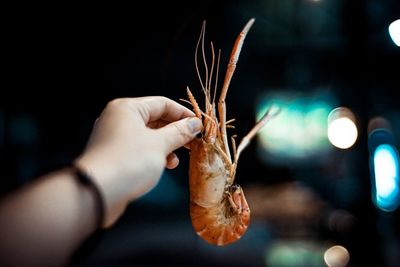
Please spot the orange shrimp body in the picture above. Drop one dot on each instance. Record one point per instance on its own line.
(219, 211)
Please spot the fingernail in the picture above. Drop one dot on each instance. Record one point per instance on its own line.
(195, 125)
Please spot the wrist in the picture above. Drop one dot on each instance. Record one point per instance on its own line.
(99, 204)
(104, 179)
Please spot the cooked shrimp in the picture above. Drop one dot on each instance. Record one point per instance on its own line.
(219, 211)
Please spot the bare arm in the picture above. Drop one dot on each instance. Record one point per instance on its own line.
(44, 222)
(132, 142)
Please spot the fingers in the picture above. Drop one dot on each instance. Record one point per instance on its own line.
(157, 124)
(157, 107)
(178, 133)
(172, 161)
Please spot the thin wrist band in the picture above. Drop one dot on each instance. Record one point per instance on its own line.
(87, 181)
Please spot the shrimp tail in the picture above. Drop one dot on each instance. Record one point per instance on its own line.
(225, 222)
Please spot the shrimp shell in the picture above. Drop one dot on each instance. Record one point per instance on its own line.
(219, 211)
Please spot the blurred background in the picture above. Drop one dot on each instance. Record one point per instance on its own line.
(321, 179)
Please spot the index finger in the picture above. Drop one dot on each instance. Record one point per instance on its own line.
(154, 108)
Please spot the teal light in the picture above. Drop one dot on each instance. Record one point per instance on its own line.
(386, 172)
(299, 131)
(283, 253)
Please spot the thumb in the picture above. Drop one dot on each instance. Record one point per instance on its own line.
(178, 133)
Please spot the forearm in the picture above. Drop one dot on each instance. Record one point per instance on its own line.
(44, 223)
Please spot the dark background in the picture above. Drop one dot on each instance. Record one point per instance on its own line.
(64, 62)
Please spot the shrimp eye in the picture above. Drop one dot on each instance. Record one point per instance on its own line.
(235, 187)
(199, 136)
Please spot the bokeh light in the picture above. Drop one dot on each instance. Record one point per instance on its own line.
(394, 31)
(294, 253)
(342, 130)
(299, 130)
(336, 256)
(384, 164)
(386, 172)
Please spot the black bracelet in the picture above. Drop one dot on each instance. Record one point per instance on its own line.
(87, 181)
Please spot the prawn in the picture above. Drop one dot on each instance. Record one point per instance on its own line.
(219, 211)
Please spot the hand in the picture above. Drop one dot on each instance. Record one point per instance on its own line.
(131, 143)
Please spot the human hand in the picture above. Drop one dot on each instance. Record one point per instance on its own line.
(131, 143)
